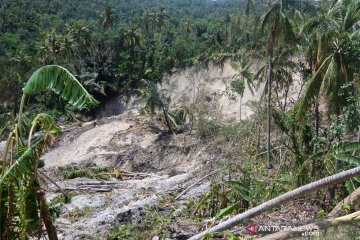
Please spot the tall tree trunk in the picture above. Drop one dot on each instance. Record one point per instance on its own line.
(337, 164)
(168, 121)
(247, 13)
(287, 89)
(10, 213)
(358, 139)
(240, 107)
(317, 127)
(298, 192)
(45, 215)
(269, 112)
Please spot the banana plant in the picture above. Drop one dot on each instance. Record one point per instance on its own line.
(346, 152)
(243, 78)
(23, 206)
(343, 151)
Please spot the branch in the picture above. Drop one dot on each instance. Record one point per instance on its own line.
(262, 153)
(311, 187)
(210, 174)
(53, 182)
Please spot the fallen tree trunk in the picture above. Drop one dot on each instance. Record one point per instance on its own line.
(353, 200)
(328, 223)
(301, 191)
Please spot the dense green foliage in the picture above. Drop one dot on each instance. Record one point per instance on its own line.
(114, 47)
(109, 46)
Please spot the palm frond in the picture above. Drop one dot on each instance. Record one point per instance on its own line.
(331, 74)
(337, 75)
(322, 25)
(352, 16)
(152, 95)
(312, 88)
(266, 18)
(355, 35)
(287, 32)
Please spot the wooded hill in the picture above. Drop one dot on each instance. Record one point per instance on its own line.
(89, 51)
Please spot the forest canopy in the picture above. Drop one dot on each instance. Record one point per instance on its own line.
(61, 60)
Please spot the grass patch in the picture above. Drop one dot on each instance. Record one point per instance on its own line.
(71, 172)
(155, 223)
(81, 212)
(56, 205)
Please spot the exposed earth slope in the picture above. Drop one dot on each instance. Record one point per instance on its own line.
(149, 164)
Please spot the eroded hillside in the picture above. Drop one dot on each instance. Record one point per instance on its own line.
(145, 164)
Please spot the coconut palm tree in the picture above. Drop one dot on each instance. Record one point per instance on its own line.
(242, 78)
(80, 34)
(108, 19)
(279, 31)
(133, 39)
(22, 200)
(149, 19)
(312, 47)
(187, 25)
(50, 47)
(247, 14)
(235, 30)
(161, 16)
(283, 69)
(68, 47)
(336, 30)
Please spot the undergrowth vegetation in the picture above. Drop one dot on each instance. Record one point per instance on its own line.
(87, 55)
(156, 222)
(71, 172)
